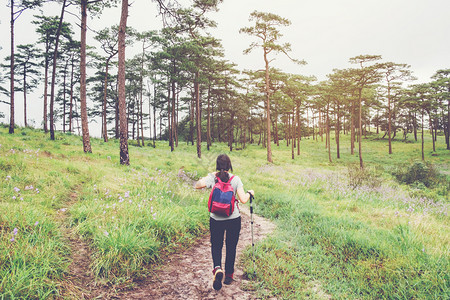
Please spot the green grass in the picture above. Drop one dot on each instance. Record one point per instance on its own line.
(129, 215)
(340, 233)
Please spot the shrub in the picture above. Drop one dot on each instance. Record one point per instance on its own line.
(419, 173)
(358, 177)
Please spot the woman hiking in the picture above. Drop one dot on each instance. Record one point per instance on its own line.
(220, 223)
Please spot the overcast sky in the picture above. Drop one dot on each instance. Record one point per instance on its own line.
(324, 33)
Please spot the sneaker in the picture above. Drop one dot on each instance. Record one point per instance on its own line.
(218, 276)
(228, 279)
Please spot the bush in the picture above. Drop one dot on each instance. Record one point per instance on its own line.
(418, 174)
(358, 177)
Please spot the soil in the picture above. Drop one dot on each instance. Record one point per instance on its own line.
(79, 281)
(188, 274)
(183, 275)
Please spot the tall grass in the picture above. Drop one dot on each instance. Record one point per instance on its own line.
(342, 233)
(343, 238)
(128, 216)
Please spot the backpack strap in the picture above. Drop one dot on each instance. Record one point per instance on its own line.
(229, 181)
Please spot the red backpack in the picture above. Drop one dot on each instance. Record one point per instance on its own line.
(222, 199)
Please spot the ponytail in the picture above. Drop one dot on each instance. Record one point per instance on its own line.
(223, 175)
(223, 165)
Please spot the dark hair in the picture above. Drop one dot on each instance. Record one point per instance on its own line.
(223, 163)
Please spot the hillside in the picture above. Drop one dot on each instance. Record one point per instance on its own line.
(340, 232)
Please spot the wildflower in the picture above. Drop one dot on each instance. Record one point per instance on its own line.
(8, 177)
(15, 231)
(63, 209)
(12, 239)
(14, 197)
(16, 189)
(127, 194)
(105, 233)
(37, 223)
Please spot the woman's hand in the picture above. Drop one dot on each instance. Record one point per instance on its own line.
(244, 196)
(200, 184)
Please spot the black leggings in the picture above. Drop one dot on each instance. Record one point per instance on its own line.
(217, 230)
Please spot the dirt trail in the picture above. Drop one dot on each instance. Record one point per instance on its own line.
(188, 274)
(79, 282)
(184, 275)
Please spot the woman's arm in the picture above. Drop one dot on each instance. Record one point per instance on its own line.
(243, 196)
(200, 184)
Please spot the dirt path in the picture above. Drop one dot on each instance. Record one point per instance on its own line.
(185, 275)
(79, 282)
(188, 275)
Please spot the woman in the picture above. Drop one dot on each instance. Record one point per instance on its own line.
(218, 225)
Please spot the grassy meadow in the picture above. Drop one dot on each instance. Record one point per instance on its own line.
(341, 233)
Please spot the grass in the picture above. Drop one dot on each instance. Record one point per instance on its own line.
(341, 233)
(129, 215)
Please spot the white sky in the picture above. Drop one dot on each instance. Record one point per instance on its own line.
(324, 33)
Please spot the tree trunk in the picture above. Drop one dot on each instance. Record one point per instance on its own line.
(208, 125)
(293, 135)
(25, 97)
(415, 126)
(276, 137)
(191, 119)
(11, 120)
(423, 154)
(299, 132)
(176, 119)
(105, 95)
(117, 119)
(361, 164)
(329, 134)
(230, 133)
(71, 96)
(124, 156)
(314, 126)
(78, 121)
(64, 95)
(46, 90)
(83, 105)
(389, 118)
(338, 129)
(52, 89)
(198, 118)
(269, 149)
(142, 118)
(141, 100)
(173, 122)
(447, 138)
(154, 114)
(432, 134)
(287, 130)
(136, 114)
(352, 130)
